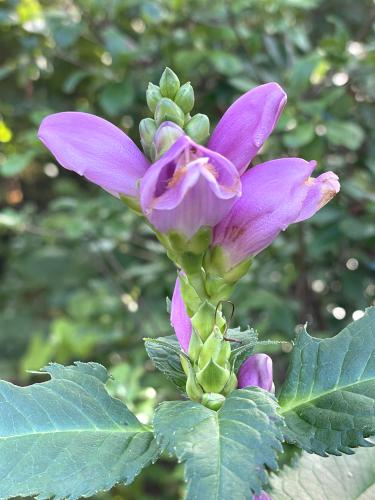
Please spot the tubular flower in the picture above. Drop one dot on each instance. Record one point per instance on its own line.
(256, 371)
(274, 194)
(189, 187)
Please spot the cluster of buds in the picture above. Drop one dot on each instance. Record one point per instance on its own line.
(171, 102)
(211, 211)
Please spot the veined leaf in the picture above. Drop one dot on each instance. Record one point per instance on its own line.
(165, 354)
(67, 438)
(225, 452)
(345, 478)
(328, 398)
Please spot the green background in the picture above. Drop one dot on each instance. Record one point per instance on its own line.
(80, 276)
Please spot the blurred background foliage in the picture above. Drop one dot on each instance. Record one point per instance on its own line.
(80, 276)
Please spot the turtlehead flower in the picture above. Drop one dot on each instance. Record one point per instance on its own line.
(256, 371)
(262, 496)
(189, 187)
(274, 194)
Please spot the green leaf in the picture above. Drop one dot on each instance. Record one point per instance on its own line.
(225, 452)
(67, 438)
(243, 345)
(347, 478)
(328, 398)
(346, 134)
(165, 353)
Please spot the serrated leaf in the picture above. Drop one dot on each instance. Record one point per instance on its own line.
(225, 452)
(243, 345)
(328, 398)
(345, 478)
(67, 438)
(165, 354)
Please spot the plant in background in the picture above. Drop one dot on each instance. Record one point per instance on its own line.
(213, 213)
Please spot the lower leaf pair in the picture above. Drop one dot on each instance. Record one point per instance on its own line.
(68, 438)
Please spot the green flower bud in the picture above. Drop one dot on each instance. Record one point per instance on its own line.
(213, 400)
(185, 363)
(190, 296)
(231, 385)
(195, 346)
(198, 128)
(166, 135)
(169, 83)
(213, 377)
(193, 389)
(167, 110)
(185, 97)
(147, 129)
(203, 320)
(153, 96)
(211, 348)
(224, 353)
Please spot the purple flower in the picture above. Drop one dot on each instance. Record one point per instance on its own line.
(189, 187)
(274, 194)
(96, 149)
(256, 371)
(180, 319)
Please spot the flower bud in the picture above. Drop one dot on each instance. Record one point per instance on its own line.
(213, 400)
(153, 96)
(231, 385)
(213, 377)
(195, 346)
(147, 129)
(165, 136)
(193, 389)
(211, 348)
(203, 320)
(169, 83)
(185, 97)
(198, 128)
(167, 110)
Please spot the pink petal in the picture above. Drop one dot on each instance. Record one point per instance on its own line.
(274, 194)
(180, 319)
(247, 124)
(96, 149)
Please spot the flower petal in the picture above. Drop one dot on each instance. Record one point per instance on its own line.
(247, 124)
(96, 149)
(256, 371)
(189, 187)
(322, 190)
(275, 194)
(180, 319)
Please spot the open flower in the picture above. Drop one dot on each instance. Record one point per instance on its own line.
(188, 188)
(274, 194)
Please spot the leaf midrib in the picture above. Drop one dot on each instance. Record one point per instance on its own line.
(286, 409)
(72, 431)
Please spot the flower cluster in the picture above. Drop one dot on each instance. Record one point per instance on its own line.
(211, 210)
